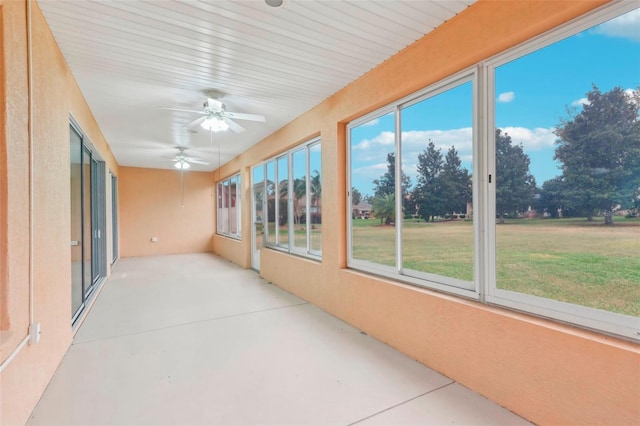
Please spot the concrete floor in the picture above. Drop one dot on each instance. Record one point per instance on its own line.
(195, 340)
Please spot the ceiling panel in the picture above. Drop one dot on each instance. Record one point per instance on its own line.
(133, 58)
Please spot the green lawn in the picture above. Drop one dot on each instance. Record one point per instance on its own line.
(570, 260)
(299, 235)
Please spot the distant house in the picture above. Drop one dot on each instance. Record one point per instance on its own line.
(361, 210)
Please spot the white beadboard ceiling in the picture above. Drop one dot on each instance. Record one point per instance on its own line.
(132, 58)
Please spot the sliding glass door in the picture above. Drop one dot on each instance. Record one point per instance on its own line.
(76, 182)
(88, 220)
(114, 218)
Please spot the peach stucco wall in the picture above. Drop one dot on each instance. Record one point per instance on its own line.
(545, 371)
(152, 204)
(56, 96)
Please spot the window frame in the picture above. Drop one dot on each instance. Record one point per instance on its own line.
(467, 289)
(224, 202)
(587, 317)
(484, 194)
(276, 244)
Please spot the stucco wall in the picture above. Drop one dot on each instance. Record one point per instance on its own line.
(545, 371)
(56, 96)
(152, 204)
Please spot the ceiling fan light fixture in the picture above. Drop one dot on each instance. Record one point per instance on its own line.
(182, 165)
(214, 124)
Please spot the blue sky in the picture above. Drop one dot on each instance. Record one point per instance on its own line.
(532, 96)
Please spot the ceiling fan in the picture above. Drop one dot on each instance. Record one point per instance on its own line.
(215, 116)
(183, 162)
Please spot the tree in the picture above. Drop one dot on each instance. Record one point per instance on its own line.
(299, 191)
(316, 187)
(386, 185)
(427, 195)
(316, 196)
(600, 152)
(515, 186)
(455, 184)
(551, 198)
(356, 196)
(368, 198)
(384, 207)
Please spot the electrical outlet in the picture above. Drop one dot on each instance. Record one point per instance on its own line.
(154, 239)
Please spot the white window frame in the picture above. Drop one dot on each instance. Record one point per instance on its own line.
(485, 288)
(591, 318)
(277, 244)
(227, 204)
(468, 289)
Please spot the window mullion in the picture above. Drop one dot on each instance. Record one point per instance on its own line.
(308, 197)
(290, 196)
(398, 188)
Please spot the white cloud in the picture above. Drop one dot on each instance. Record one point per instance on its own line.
(506, 97)
(625, 26)
(632, 95)
(371, 149)
(580, 102)
(373, 122)
(369, 157)
(532, 139)
(413, 143)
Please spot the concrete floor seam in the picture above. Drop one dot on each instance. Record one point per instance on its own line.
(401, 403)
(187, 324)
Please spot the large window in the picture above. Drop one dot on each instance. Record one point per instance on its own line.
(270, 184)
(567, 174)
(542, 213)
(228, 213)
(411, 170)
(373, 239)
(294, 206)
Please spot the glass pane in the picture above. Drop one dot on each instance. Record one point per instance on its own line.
(258, 205)
(283, 196)
(225, 207)
(233, 210)
(373, 188)
(87, 234)
(271, 203)
(568, 170)
(437, 156)
(299, 195)
(220, 206)
(76, 221)
(315, 185)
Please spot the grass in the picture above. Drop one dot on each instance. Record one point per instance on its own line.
(299, 236)
(570, 260)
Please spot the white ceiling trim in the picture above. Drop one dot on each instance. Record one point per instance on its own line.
(132, 58)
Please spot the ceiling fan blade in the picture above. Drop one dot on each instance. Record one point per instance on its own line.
(196, 161)
(196, 122)
(233, 125)
(214, 104)
(184, 110)
(243, 116)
